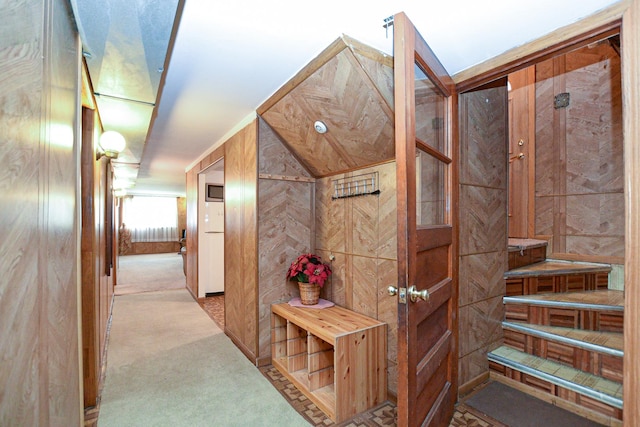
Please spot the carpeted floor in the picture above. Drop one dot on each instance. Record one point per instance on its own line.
(148, 273)
(168, 364)
(383, 415)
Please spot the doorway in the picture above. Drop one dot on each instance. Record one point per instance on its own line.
(558, 184)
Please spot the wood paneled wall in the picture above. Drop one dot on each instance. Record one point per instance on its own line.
(192, 230)
(483, 228)
(579, 159)
(39, 159)
(97, 286)
(286, 226)
(241, 240)
(361, 233)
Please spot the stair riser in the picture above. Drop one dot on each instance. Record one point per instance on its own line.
(556, 284)
(605, 321)
(603, 365)
(555, 390)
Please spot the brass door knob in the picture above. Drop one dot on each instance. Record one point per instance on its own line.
(392, 290)
(415, 294)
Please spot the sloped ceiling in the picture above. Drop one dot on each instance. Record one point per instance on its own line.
(352, 95)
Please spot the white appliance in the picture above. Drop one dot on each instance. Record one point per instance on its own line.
(213, 217)
(212, 259)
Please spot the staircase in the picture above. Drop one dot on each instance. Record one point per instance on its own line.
(562, 334)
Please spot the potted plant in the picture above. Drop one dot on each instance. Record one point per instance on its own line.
(311, 274)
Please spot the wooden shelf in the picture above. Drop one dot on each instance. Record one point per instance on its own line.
(335, 356)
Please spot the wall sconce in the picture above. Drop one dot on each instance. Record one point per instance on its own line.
(111, 143)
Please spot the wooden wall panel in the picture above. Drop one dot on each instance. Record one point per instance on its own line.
(39, 284)
(483, 226)
(361, 233)
(579, 157)
(240, 247)
(285, 226)
(192, 231)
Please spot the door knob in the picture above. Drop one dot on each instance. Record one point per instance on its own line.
(392, 290)
(415, 294)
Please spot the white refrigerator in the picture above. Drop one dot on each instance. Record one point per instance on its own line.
(212, 259)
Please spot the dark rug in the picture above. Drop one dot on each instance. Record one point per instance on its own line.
(517, 409)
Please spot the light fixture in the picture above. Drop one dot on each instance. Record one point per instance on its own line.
(111, 143)
(320, 127)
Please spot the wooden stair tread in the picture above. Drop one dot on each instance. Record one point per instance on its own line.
(517, 244)
(602, 342)
(556, 267)
(608, 300)
(598, 388)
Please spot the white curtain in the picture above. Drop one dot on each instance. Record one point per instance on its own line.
(151, 219)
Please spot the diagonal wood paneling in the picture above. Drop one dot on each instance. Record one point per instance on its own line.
(387, 218)
(330, 217)
(482, 220)
(579, 159)
(483, 138)
(482, 276)
(348, 101)
(481, 323)
(284, 232)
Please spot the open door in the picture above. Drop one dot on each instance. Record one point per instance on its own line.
(426, 155)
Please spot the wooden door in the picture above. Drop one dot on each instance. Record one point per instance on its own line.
(425, 117)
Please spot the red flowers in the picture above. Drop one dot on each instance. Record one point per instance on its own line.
(309, 268)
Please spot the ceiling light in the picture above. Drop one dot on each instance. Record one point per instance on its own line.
(320, 127)
(111, 143)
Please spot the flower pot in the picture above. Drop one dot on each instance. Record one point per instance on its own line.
(309, 293)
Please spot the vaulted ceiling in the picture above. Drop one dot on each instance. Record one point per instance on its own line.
(178, 77)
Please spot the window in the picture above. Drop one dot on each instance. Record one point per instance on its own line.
(151, 219)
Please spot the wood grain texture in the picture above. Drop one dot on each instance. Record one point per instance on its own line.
(284, 231)
(631, 99)
(345, 96)
(241, 263)
(483, 226)
(579, 153)
(39, 287)
(357, 380)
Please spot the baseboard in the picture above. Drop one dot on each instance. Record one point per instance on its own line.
(236, 341)
(469, 386)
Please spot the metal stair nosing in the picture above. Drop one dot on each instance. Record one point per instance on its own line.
(578, 388)
(523, 328)
(523, 300)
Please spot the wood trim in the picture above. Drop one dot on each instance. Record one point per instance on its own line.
(432, 151)
(286, 178)
(631, 109)
(531, 154)
(443, 237)
(595, 27)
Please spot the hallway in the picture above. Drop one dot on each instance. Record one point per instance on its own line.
(169, 364)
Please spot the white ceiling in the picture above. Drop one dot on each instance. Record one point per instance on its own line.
(228, 57)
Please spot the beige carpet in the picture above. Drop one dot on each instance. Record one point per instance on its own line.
(147, 273)
(169, 364)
